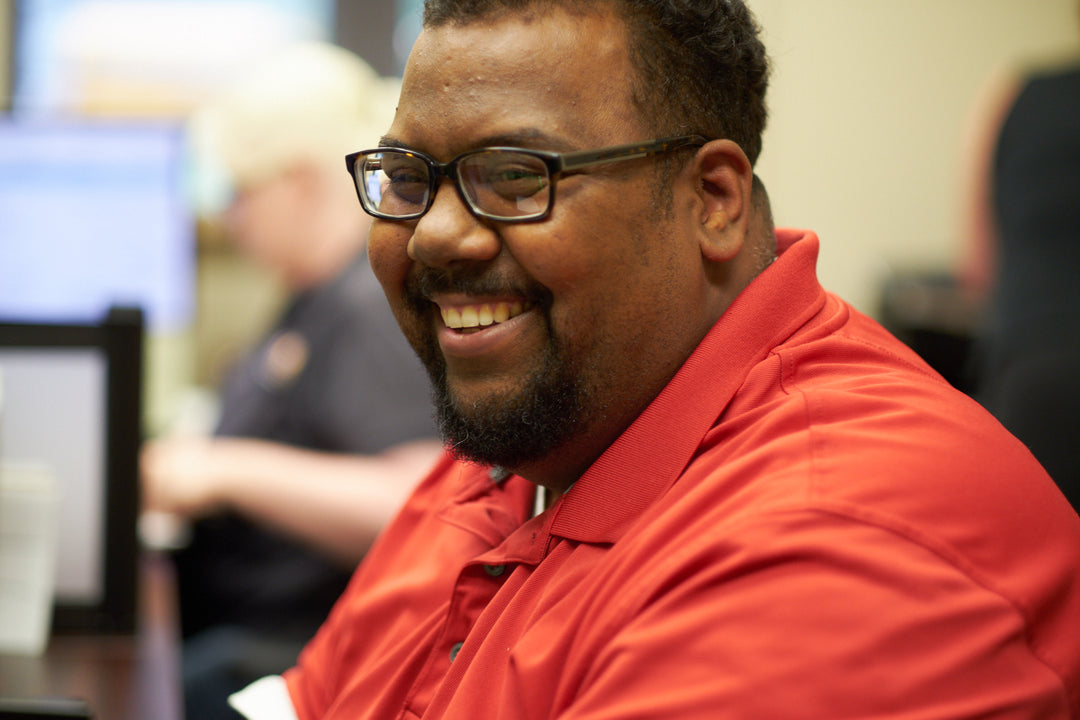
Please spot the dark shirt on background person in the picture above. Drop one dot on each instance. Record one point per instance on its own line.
(1027, 349)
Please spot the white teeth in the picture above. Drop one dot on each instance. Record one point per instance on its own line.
(471, 316)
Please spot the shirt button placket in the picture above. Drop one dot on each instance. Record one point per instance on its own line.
(492, 571)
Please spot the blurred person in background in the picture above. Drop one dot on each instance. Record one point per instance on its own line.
(327, 421)
(1023, 260)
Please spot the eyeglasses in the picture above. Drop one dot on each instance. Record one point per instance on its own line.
(497, 183)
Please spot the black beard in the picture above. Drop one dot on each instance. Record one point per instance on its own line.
(510, 430)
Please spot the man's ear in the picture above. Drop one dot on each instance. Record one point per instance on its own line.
(724, 178)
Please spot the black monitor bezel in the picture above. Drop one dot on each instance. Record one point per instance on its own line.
(120, 338)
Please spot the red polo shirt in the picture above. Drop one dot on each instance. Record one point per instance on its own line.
(806, 523)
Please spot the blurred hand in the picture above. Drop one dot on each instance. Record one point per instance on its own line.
(181, 476)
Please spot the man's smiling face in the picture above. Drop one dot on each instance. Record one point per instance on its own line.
(553, 334)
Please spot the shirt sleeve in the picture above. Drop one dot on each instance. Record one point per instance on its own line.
(814, 616)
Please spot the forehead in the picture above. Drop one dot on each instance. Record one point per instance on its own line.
(556, 77)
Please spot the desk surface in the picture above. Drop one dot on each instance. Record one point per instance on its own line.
(123, 677)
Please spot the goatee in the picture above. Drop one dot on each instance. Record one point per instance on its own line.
(508, 430)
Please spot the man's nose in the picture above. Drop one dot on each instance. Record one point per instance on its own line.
(448, 232)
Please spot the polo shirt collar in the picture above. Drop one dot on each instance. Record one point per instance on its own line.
(651, 454)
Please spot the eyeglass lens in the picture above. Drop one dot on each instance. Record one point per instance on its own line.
(496, 183)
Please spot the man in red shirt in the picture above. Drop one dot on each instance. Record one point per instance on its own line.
(683, 481)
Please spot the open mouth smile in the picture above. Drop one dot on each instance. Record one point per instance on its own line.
(472, 318)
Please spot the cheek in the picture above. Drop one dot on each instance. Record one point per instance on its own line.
(387, 254)
(389, 261)
(567, 258)
(590, 283)
(624, 289)
(602, 238)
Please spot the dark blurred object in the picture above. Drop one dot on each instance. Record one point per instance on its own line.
(1024, 259)
(44, 709)
(932, 314)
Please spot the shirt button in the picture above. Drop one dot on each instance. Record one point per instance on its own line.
(494, 570)
(454, 650)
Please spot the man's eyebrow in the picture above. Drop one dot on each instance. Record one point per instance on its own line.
(386, 141)
(525, 138)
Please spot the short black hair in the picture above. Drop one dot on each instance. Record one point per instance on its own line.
(701, 66)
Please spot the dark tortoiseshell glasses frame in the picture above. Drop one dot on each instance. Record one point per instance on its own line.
(505, 184)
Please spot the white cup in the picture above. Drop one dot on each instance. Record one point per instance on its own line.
(29, 529)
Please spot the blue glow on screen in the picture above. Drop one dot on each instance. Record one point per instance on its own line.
(93, 214)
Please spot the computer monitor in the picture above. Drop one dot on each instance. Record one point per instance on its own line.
(72, 402)
(93, 214)
(146, 58)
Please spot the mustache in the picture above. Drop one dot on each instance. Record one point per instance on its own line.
(429, 281)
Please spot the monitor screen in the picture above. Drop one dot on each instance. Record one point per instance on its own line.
(93, 214)
(53, 412)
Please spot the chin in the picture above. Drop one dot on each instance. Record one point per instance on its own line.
(511, 429)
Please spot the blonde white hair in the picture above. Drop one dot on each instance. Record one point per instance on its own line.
(312, 103)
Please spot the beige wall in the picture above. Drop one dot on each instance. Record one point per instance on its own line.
(868, 105)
